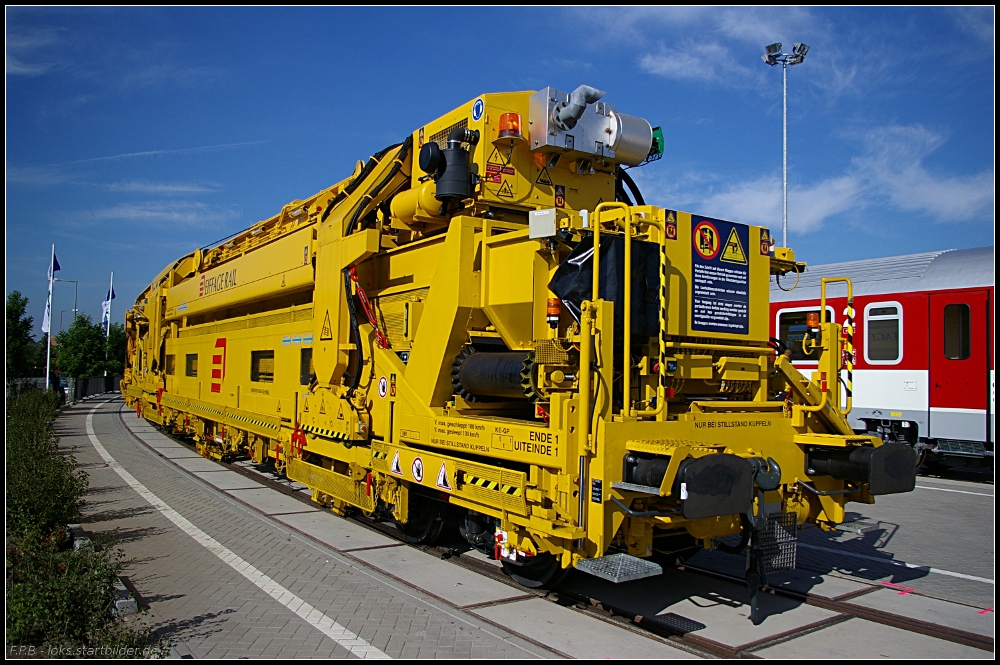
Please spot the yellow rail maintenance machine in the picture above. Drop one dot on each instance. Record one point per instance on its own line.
(434, 340)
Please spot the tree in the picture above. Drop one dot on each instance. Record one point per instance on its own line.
(20, 341)
(117, 349)
(81, 348)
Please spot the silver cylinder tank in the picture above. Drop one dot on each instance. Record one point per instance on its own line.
(631, 137)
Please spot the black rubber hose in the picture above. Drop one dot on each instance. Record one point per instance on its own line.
(355, 332)
(351, 186)
(407, 144)
(627, 179)
(620, 194)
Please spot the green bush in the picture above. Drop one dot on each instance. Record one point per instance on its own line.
(58, 600)
(44, 488)
(62, 600)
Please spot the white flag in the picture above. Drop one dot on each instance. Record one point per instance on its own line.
(106, 306)
(46, 318)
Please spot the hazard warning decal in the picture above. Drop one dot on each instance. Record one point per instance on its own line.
(560, 196)
(417, 469)
(720, 285)
(327, 332)
(765, 242)
(733, 251)
(383, 387)
(395, 467)
(670, 226)
(442, 479)
(543, 178)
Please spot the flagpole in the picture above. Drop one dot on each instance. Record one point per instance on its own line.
(48, 338)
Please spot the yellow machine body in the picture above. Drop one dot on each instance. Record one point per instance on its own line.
(263, 346)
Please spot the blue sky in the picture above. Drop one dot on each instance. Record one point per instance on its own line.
(136, 135)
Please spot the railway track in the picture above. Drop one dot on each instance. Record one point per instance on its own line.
(672, 629)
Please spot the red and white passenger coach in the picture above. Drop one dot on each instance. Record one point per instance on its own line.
(924, 340)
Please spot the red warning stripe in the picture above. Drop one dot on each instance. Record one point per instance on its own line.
(220, 361)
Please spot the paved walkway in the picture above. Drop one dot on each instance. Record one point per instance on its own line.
(225, 581)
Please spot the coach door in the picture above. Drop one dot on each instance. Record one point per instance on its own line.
(959, 365)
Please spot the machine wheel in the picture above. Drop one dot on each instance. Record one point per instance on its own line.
(538, 572)
(426, 523)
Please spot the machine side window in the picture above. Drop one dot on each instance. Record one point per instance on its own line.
(884, 333)
(262, 366)
(792, 328)
(306, 369)
(956, 332)
(191, 364)
(168, 364)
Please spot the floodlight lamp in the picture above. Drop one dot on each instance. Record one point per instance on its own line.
(795, 59)
(773, 49)
(769, 59)
(800, 49)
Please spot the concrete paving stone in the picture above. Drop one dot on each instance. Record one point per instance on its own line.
(802, 581)
(157, 440)
(335, 531)
(573, 633)
(932, 610)
(479, 557)
(441, 578)
(705, 606)
(860, 639)
(270, 502)
(177, 453)
(198, 464)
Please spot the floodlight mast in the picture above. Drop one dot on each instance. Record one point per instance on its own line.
(773, 56)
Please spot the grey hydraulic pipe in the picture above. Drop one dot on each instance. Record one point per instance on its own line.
(566, 115)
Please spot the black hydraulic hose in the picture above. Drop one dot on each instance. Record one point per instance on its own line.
(355, 332)
(351, 186)
(407, 144)
(620, 193)
(627, 179)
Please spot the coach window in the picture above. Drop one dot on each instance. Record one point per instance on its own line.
(262, 366)
(306, 369)
(792, 328)
(956, 332)
(168, 365)
(191, 365)
(884, 333)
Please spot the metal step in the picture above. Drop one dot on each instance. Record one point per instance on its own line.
(620, 568)
(859, 527)
(632, 487)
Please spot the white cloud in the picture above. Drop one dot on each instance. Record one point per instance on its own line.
(895, 167)
(186, 213)
(702, 61)
(890, 172)
(157, 187)
(977, 21)
(29, 53)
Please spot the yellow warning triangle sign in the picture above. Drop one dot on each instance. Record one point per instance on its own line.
(495, 158)
(543, 177)
(672, 220)
(505, 190)
(327, 332)
(733, 252)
